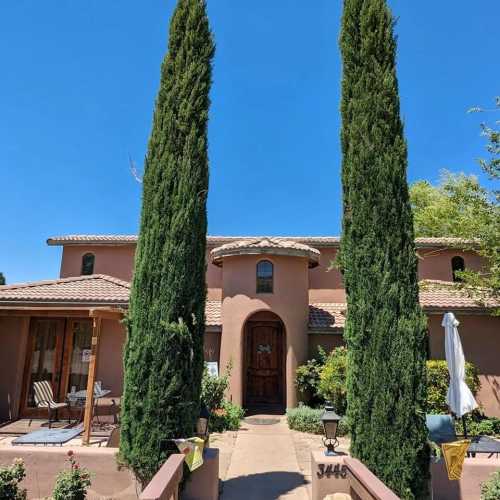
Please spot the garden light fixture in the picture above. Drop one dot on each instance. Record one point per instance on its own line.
(330, 425)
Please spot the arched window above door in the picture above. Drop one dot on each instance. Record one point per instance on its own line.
(457, 264)
(88, 261)
(265, 276)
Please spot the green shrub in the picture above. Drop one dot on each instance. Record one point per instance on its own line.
(307, 378)
(490, 490)
(72, 484)
(438, 380)
(226, 418)
(306, 419)
(10, 477)
(479, 425)
(214, 388)
(332, 383)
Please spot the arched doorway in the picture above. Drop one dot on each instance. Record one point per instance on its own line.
(264, 366)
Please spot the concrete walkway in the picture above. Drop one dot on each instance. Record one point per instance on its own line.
(264, 465)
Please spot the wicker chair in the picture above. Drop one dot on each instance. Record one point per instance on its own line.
(44, 398)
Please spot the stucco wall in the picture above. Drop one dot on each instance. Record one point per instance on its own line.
(116, 261)
(13, 339)
(326, 285)
(110, 360)
(289, 302)
(480, 337)
(328, 341)
(435, 263)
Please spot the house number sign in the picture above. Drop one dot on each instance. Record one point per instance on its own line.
(331, 470)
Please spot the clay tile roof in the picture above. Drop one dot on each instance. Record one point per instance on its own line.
(94, 289)
(436, 294)
(93, 239)
(213, 316)
(269, 246)
(319, 241)
(327, 315)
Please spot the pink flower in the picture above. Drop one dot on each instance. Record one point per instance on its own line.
(70, 453)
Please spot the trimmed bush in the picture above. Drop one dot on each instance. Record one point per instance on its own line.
(10, 477)
(490, 490)
(332, 384)
(438, 380)
(214, 388)
(308, 377)
(306, 419)
(478, 425)
(226, 418)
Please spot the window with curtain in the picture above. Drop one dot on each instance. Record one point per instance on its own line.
(265, 273)
(457, 265)
(88, 261)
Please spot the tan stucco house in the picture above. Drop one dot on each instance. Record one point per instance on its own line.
(270, 303)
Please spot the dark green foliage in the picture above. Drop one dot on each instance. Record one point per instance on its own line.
(438, 381)
(10, 479)
(306, 419)
(307, 378)
(386, 329)
(164, 350)
(478, 425)
(2, 279)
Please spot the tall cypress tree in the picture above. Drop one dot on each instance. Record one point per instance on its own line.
(163, 359)
(385, 329)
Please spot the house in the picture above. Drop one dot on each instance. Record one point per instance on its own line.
(270, 303)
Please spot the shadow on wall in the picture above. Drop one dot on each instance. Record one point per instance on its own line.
(263, 486)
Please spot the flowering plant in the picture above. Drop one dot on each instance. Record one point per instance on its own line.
(72, 484)
(10, 477)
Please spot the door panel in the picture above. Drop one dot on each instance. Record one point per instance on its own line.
(264, 364)
(43, 361)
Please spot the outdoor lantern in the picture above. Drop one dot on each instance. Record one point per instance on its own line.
(202, 424)
(330, 424)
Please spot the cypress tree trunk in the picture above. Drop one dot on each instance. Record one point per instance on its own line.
(385, 329)
(163, 359)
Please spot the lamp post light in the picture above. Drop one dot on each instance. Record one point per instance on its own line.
(330, 424)
(202, 423)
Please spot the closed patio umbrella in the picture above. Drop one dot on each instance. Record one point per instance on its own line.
(459, 397)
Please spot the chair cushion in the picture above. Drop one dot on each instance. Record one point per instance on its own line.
(441, 428)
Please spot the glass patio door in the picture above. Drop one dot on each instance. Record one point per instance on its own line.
(58, 351)
(44, 360)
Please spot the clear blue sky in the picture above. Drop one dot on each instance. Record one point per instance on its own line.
(79, 81)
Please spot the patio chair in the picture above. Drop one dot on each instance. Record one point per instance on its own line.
(44, 398)
(441, 428)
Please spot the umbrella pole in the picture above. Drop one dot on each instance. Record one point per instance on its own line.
(464, 426)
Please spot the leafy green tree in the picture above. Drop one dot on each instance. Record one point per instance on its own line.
(2, 279)
(163, 359)
(385, 329)
(460, 207)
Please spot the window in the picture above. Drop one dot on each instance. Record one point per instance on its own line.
(264, 277)
(88, 264)
(457, 264)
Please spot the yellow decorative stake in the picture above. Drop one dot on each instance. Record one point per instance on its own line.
(454, 456)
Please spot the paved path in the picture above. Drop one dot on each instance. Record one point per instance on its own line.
(264, 465)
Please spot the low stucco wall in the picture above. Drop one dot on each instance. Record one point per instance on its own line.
(480, 335)
(474, 472)
(44, 463)
(13, 339)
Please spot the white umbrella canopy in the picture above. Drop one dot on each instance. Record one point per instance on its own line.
(459, 397)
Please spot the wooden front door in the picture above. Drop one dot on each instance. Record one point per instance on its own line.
(56, 352)
(264, 364)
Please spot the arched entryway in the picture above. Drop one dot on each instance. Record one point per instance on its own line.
(264, 363)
